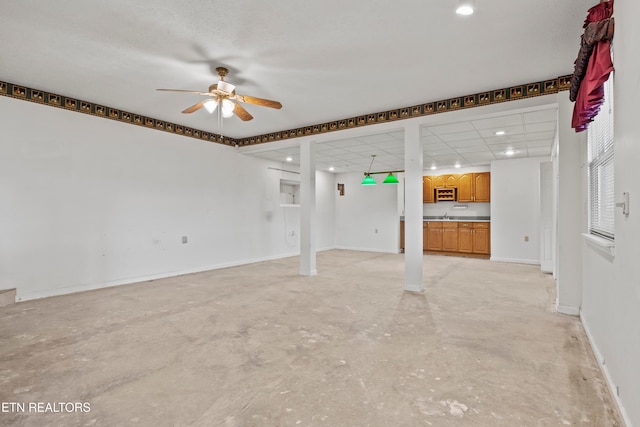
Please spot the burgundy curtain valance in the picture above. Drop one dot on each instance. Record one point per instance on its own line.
(593, 65)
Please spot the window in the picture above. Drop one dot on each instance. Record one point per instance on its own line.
(601, 160)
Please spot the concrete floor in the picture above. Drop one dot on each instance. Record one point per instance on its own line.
(259, 345)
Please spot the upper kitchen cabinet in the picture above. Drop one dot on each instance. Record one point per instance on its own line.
(482, 186)
(474, 187)
(427, 189)
(445, 181)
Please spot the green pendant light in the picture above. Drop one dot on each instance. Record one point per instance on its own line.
(390, 179)
(368, 180)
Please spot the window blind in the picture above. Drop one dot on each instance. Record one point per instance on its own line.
(601, 166)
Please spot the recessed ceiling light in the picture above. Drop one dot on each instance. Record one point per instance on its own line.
(500, 133)
(509, 152)
(457, 165)
(433, 167)
(331, 169)
(289, 159)
(465, 7)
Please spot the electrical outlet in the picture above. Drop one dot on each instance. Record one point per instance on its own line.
(526, 238)
(185, 239)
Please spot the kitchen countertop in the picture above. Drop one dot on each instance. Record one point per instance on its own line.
(455, 218)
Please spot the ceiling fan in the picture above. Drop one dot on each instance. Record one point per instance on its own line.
(221, 96)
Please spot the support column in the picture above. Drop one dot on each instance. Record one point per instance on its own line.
(571, 220)
(307, 209)
(413, 209)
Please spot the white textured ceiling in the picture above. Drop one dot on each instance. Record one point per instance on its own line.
(324, 60)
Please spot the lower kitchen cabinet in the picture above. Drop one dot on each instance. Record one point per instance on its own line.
(434, 236)
(473, 238)
(442, 236)
(452, 237)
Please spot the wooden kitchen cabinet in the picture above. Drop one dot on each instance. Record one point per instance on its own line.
(482, 186)
(445, 181)
(434, 236)
(481, 244)
(453, 237)
(465, 237)
(474, 187)
(473, 238)
(425, 236)
(450, 236)
(427, 189)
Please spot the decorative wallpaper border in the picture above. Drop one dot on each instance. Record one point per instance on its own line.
(54, 100)
(495, 96)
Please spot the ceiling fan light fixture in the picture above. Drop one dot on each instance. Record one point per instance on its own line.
(227, 108)
(390, 179)
(210, 106)
(225, 87)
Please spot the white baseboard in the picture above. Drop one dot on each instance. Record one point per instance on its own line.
(380, 251)
(517, 261)
(129, 280)
(571, 311)
(605, 371)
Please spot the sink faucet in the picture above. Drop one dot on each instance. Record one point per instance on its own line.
(445, 216)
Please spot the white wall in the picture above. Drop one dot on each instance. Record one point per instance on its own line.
(87, 202)
(515, 210)
(611, 285)
(366, 217)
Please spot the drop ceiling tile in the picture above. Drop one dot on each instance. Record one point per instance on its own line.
(535, 136)
(541, 116)
(343, 143)
(505, 139)
(331, 151)
(372, 139)
(474, 149)
(399, 135)
(434, 147)
(539, 151)
(388, 145)
(460, 136)
(451, 128)
(363, 148)
(488, 155)
(430, 139)
(510, 131)
(513, 146)
(541, 127)
(467, 143)
(396, 150)
(440, 152)
(540, 143)
(498, 122)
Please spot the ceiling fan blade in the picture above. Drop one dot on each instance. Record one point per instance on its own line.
(195, 107)
(259, 101)
(241, 112)
(197, 92)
